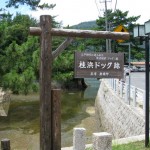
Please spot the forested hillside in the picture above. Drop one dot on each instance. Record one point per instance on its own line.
(85, 25)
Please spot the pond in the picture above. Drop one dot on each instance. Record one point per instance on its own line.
(21, 125)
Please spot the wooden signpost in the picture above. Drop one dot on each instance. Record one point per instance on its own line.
(45, 31)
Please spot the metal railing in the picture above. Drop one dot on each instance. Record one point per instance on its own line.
(137, 95)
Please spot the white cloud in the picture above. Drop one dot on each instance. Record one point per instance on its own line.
(72, 12)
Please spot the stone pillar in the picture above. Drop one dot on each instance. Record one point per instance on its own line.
(102, 141)
(79, 139)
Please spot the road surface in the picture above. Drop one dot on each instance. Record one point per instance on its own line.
(137, 79)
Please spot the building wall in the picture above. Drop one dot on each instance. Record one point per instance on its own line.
(116, 117)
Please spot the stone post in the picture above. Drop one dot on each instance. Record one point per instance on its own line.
(79, 139)
(102, 141)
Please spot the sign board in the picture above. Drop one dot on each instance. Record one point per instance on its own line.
(120, 28)
(99, 65)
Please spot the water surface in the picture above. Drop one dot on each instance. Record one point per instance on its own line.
(21, 125)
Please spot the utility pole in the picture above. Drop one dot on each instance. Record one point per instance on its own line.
(109, 40)
(106, 26)
(108, 45)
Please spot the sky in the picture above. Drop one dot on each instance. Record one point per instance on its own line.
(72, 12)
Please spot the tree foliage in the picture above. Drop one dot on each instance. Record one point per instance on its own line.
(20, 53)
(115, 19)
(33, 4)
(18, 68)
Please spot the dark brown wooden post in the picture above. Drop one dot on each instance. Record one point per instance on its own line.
(5, 144)
(45, 83)
(56, 119)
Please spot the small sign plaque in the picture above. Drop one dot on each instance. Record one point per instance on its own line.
(99, 65)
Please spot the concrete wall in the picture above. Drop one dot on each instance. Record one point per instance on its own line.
(116, 117)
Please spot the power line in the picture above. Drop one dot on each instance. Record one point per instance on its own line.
(97, 8)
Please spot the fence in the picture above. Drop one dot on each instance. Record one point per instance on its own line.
(130, 94)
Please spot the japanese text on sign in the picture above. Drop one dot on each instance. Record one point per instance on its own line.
(99, 65)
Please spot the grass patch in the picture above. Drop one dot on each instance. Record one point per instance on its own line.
(130, 146)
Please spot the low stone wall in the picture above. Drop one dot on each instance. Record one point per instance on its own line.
(116, 117)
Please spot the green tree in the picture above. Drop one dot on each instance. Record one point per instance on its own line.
(115, 19)
(33, 4)
(18, 51)
(19, 54)
(63, 65)
(19, 66)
